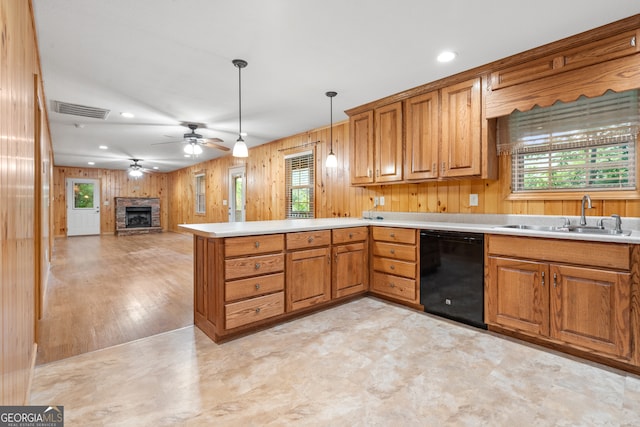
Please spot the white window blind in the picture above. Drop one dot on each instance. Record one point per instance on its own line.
(586, 144)
(200, 194)
(299, 179)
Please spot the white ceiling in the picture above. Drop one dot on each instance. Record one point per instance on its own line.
(169, 61)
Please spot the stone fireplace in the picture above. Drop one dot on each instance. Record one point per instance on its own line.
(137, 215)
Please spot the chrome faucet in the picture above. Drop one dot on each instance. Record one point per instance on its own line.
(583, 219)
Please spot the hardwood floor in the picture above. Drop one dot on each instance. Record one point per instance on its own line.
(108, 290)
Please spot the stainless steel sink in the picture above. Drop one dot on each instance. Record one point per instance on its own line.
(569, 229)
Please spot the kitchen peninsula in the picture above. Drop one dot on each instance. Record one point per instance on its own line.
(253, 275)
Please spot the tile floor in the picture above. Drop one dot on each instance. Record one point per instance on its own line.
(365, 363)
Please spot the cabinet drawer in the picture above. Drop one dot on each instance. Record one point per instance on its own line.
(249, 311)
(308, 239)
(394, 286)
(397, 235)
(591, 53)
(251, 245)
(392, 266)
(253, 266)
(348, 235)
(395, 251)
(254, 286)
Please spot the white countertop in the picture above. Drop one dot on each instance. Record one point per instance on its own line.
(475, 223)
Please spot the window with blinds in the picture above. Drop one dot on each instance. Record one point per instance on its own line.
(586, 144)
(200, 186)
(299, 179)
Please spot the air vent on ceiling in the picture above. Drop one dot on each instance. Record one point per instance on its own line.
(79, 110)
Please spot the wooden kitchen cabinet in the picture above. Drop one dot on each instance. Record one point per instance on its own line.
(584, 306)
(422, 124)
(376, 145)
(394, 265)
(308, 269)
(350, 269)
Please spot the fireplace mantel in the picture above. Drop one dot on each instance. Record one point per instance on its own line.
(122, 203)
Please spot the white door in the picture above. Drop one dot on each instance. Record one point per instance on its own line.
(237, 192)
(83, 206)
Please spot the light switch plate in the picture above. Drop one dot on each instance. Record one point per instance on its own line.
(224, 202)
(381, 200)
(473, 200)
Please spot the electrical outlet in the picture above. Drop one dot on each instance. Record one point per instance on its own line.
(473, 200)
(376, 201)
(382, 201)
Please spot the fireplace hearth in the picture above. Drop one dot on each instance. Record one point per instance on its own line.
(137, 215)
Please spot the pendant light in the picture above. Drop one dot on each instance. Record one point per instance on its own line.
(332, 160)
(240, 148)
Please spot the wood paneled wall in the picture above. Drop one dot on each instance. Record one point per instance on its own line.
(337, 198)
(22, 232)
(113, 183)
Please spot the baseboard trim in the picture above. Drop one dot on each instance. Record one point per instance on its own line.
(32, 370)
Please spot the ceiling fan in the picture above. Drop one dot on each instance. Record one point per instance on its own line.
(136, 169)
(194, 141)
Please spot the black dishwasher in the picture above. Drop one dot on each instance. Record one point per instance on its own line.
(452, 275)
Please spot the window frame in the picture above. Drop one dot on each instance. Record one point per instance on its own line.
(289, 187)
(200, 177)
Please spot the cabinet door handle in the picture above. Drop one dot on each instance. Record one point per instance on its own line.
(257, 265)
(392, 267)
(633, 41)
(433, 166)
(368, 173)
(393, 251)
(257, 245)
(257, 286)
(443, 167)
(377, 172)
(543, 279)
(555, 280)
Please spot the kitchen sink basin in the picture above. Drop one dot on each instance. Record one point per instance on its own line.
(568, 229)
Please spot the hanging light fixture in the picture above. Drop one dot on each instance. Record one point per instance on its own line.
(240, 148)
(332, 160)
(193, 149)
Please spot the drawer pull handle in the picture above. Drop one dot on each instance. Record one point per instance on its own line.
(257, 286)
(351, 235)
(393, 285)
(257, 245)
(392, 235)
(393, 251)
(257, 265)
(310, 239)
(392, 267)
(257, 310)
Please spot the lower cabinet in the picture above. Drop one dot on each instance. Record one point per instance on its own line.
(308, 269)
(394, 264)
(350, 268)
(583, 306)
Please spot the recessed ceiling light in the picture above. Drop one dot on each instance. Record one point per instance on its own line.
(447, 56)
(91, 163)
(187, 155)
(103, 147)
(127, 115)
(156, 168)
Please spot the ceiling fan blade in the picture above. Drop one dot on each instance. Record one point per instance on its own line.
(168, 142)
(214, 145)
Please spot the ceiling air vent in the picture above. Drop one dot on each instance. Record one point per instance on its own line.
(79, 110)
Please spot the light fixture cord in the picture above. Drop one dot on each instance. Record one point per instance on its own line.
(240, 104)
(331, 124)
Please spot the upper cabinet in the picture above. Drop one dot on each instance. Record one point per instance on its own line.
(376, 145)
(443, 132)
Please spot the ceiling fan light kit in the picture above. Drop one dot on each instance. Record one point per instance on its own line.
(332, 160)
(193, 149)
(135, 169)
(240, 148)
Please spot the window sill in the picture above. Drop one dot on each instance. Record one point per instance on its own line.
(576, 195)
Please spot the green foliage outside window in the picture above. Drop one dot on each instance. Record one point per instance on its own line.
(83, 195)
